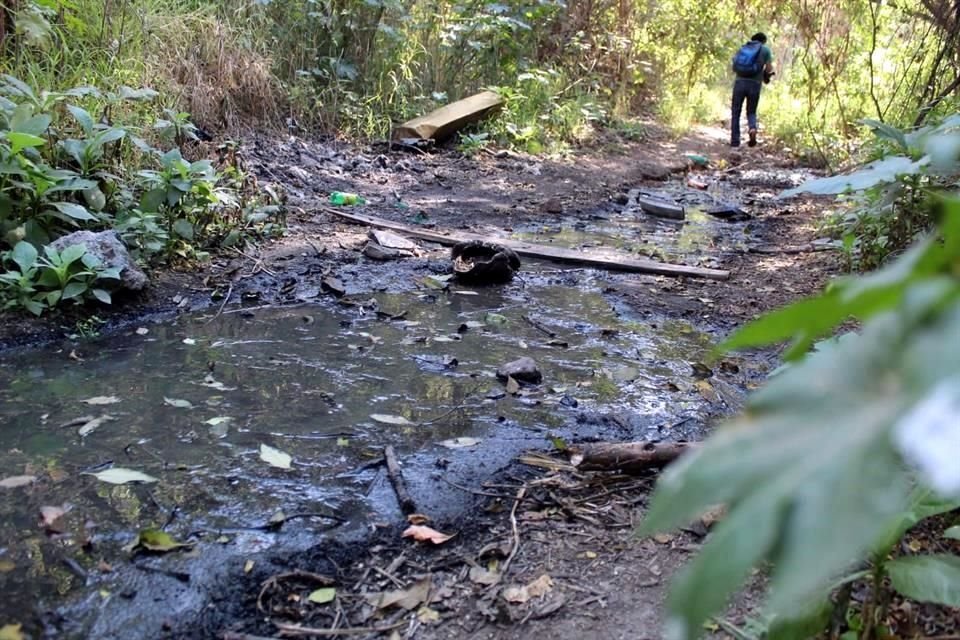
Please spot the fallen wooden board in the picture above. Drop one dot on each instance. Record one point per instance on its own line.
(447, 120)
(627, 457)
(612, 260)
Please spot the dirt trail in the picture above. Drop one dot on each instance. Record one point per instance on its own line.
(575, 528)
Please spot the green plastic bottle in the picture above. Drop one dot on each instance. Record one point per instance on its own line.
(343, 198)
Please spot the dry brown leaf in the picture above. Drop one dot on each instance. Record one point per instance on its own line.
(409, 598)
(421, 533)
(535, 589)
(483, 576)
(664, 538)
(418, 518)
(104, 566)
(17, 481)
(426, 615)
(713, 515)
(513, 387)
(50, 515)
(540, 586)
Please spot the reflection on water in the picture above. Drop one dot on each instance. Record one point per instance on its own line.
(304, 380)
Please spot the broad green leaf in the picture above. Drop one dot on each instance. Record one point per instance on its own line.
(71, 254)
(159, 541)
(119, 475)
(275, 457)
(815, 445)
(152, 200)
(128, 93)
(873, 174)
(953, 533)
(110, 135)
(74, 290)
(73, 211)
(183, 228)
(932, 578)
(25, 255)
(102, 295)
(32, 25)
(804, 623)
(83, 118)
(20, 141)
(738, 543)
(322, 596)
(887, 132)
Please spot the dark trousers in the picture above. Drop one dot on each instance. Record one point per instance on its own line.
(749, 90)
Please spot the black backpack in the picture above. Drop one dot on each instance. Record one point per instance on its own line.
(747, 62)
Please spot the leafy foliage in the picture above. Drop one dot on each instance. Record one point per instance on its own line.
(821, 469)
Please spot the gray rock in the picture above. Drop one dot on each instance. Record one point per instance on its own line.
(522, 370)
(111, 252)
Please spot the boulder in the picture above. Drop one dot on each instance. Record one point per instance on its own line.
(522, 370)
(107, 247)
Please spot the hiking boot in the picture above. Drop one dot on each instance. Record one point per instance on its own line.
(753, 138)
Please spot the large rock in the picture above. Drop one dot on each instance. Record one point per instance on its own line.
(110, 250)
(522, 370)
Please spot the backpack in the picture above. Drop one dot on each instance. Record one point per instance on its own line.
(747, 62)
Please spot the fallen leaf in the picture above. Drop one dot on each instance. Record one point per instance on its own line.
(180, 404)
(322, 596)
(212, 383)
(540, 586)
(101, 400)
(426, 615)
(213, 422)
(104, 567)
(248, 566)
(535, 589)
(11, 632)
(465, 293)
(6, 566)
(17, 481)
(119, 475)
(483, 576)
(664, 538)
(590, 555)
(159, 541)
(50, 515)
(275, 457)
(418, 518)
(142, 331)
(409, 598)
(421, 533)
(460, 443)
(189, 341)
(513, 387)
(343, 442)
(495, 319)
(92, 425)
(706, 390)
(389, 419)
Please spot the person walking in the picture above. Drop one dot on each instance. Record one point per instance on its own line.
(753, 64)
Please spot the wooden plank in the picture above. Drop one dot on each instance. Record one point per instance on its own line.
(611, 260)
(447, 120)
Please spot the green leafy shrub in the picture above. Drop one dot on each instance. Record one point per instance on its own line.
(37, 283)
(887, 199)
(844, 449)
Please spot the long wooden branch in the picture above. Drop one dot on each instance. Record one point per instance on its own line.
(611, 260)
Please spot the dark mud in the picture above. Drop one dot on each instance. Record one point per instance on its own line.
(303, 372)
